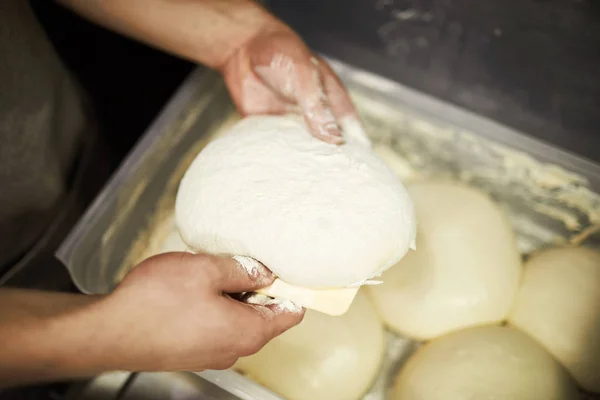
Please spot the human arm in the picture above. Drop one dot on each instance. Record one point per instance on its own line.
(266, 66)
(170, 313)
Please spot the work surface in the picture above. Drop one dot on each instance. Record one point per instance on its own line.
(532, 65)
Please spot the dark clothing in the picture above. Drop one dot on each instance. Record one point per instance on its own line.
(42, 120)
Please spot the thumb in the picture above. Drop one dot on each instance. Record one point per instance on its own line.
(239, 274)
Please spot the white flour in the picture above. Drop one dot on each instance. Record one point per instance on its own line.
(281, 304)
(255, 270)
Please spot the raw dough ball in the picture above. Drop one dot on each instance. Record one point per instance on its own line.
(559, 305)
(333, 358)
(465, 271)
(489, 362)
(318, 215)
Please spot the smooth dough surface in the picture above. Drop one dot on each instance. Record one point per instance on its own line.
(491, 362)
(316, 214)
(465, 271)
(333, 358)
(559, 305)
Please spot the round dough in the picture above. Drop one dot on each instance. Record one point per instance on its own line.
(559, 305)
(318, 215)
(333, 358)
(465, 271)
(489, 362)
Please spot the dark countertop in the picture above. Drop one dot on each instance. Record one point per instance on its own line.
(531, 65)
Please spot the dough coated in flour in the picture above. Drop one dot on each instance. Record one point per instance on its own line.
(466, 268)
(316, 214)
(559, 305)
(488, 362)
(332, 358)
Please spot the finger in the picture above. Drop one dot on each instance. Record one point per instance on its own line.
(276, 307)
(311, 97)
(280, 315)
(341, 105)
(286, 65)
(239, 274)
(257, 324)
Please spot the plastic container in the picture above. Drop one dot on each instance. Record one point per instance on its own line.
(552, 196)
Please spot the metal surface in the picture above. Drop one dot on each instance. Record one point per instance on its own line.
(528, 64)
(435, 138)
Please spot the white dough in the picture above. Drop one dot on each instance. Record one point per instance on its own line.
(318, 215)
(465, 271)
(482, 363)
(559, 305)
(329, 358)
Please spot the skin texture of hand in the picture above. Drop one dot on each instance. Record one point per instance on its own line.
(267, 67)
(177, 302)
(275, 73)
(170, 313)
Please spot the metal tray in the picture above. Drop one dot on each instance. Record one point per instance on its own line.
(551, 195)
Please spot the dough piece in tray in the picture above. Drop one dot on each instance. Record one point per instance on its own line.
(333, 358)
(559, 305)
(465, 271)
(489, 362)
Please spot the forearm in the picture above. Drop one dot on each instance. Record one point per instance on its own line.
(204, 31)
(50, 336)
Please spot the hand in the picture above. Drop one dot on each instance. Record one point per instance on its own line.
(174, 315)
(267, 67)
(275, 73)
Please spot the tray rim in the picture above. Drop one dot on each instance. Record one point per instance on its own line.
(446, 113)
(427, 106)
(413, 101)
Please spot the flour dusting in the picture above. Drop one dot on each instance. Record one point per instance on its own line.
(283, 305)
(349, 211)
(253, 268)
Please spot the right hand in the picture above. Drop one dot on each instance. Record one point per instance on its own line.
(172, 314)
(274, 72)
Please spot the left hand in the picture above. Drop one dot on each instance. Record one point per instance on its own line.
(275, 73)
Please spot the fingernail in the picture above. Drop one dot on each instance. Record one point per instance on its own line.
(333, 129)
(255, 270)
(333, 132)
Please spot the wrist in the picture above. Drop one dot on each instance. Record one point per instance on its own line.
(48, 336)
(250, 21)
(88, 333)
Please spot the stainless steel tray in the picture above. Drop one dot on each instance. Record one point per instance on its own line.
(551, 195)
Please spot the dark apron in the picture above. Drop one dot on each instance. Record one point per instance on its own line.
(51, 160)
